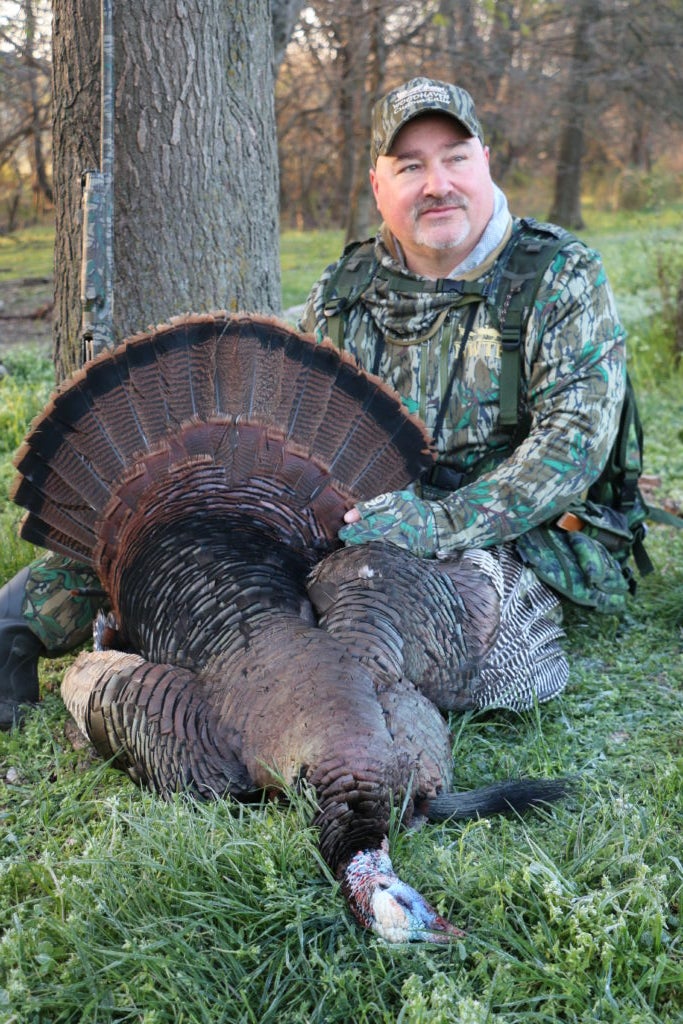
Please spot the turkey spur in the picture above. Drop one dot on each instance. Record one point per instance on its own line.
(203, 469)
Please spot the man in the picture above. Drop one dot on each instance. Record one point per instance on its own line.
(418, 319)
(439, 347)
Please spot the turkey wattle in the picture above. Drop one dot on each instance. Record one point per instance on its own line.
(204, 469)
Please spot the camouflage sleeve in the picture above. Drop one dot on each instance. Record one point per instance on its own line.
(312, 319)
(575, 372)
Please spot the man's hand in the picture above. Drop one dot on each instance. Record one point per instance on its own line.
(399, 517)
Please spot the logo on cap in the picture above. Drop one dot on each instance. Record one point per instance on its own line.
(419, 96)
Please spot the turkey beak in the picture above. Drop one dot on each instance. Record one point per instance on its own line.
(442, 931)
(428, 926)
(401, 914)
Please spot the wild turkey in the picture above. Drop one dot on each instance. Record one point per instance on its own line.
(203, 469)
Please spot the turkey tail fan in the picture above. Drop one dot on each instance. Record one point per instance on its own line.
(243, 406)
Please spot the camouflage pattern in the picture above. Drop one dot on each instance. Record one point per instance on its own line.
(577, 566)
(419, 96)
(62, 598)
(400, 517)
(96, 324)
(573, 382)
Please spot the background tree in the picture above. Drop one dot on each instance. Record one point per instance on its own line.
(622, 92)
(24, 106)
(337, 66)
(195, 181)
(566, 208)
(603, 74)
(284, 16)
(41, 185)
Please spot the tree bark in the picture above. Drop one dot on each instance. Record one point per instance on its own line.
(196, 223)
(75, 147)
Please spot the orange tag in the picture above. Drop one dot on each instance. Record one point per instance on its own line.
(568, 521)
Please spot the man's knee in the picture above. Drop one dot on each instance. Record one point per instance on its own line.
(61, 599)
(45, 610)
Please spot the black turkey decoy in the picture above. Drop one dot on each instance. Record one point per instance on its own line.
(203, 469)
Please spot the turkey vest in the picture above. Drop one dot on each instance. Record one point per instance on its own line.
(614, 511)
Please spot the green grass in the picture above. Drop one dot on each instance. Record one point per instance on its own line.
(116, 907)
(302, 258)
(23, 393)
(27, 253)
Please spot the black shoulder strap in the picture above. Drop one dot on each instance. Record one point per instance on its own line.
(510, 295)
(519, 271)
(352, 275)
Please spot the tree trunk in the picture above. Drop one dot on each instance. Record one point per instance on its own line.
(196, 222)
(462, 44)
(75, 147)
(41, 185)
(284, 14)
(566, 209)
(362, 217)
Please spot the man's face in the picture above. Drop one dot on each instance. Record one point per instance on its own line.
(434, 192)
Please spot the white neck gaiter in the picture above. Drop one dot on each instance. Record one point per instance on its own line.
(493, 235)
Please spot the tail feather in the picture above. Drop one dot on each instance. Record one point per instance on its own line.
(525, 661)
(89, 410)
(56, 461)
(57, 514)
(220, 405)
(58, 470)
(359, 457)
(105, 387)
(186, 360)
(513, 795)
(37, 531)
(286, 385)
(382, 473)
(147, 387)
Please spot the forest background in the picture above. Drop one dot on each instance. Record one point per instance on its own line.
(582, 103)
(582, 107)
(115, 907)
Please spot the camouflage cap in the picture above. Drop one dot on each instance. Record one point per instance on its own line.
(419, 96)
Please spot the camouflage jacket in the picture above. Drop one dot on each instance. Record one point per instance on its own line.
(573, 379)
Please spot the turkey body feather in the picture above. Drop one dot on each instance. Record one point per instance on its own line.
(203, 469)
